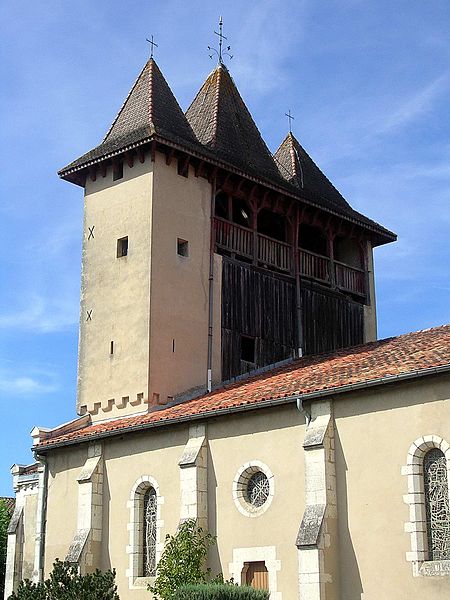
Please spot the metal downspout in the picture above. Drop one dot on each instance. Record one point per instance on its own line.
(298, 293)
(211, 288)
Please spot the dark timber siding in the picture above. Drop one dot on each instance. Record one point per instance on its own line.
(261, 305)
(330, 320)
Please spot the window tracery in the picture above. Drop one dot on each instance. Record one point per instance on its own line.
(427, 468)
(258, 489)
(145, 525)
(149, 530)
(253, 488)
(437, 505)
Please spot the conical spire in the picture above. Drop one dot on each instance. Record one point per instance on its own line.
(150, 108)
(222, 122)
(297, 167)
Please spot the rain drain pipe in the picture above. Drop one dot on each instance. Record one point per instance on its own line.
(211, 287)
(303, 410)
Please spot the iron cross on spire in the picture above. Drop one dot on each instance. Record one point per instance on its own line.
(291, 118)
(220, 53)
(152, 45)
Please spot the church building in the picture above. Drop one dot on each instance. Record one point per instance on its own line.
(229, 371)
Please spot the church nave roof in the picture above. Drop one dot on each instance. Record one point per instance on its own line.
(391, 360)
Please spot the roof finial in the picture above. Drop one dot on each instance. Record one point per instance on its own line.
(291, 118)
(152, 45)
(220, 53)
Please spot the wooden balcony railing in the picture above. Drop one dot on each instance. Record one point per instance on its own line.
(234, 237)
(314, 266)
(275, 253)
(241, 241)
(350, 278)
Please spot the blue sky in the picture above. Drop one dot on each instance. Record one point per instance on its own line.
(367, 81)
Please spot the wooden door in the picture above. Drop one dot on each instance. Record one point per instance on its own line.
(256, 575)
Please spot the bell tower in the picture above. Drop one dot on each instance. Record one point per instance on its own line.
(145, 262)
(205, 256)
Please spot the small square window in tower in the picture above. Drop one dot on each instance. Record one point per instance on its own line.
(248, 349)
(122, 247)
(182, 247)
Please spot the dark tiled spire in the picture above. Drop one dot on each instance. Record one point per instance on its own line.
(150, 108)
(222, 122)
(297, 167)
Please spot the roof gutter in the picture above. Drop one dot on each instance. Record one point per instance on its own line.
(298, 398)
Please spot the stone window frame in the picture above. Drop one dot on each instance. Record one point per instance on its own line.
(239, 482)
(135, 547)
(415, 499)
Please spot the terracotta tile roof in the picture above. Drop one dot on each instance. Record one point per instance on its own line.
(30, 469)
(10, 504)
(223, 123)
(409, 355)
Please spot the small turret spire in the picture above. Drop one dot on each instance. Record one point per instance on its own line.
(153, 45)
(220, 53)
(291, 118)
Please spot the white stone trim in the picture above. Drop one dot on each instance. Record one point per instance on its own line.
(194, 477)
(85, 548)
(134, 527)
(415, 499)
(14, 552)
(24, 485)
(317, 537)
(239, 488)
(268, 554)
(39, 549)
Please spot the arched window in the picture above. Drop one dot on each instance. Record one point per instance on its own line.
(272, 224)
(437, 504)
(347, 250)
(149, 533)
(145, 526)
(312, 238)
(221, 205)
(427, 467)
(241, 213)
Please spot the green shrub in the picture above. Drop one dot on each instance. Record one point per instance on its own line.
(221, 591)
(183, 560)
(65, 583)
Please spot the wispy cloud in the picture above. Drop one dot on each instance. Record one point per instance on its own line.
(32, 383)
(48, 280)
(261, 66)
(417, 105)
(42, 314)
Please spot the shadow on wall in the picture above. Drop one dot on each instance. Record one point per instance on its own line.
(106, 520)
(213, 555)
(350, 578)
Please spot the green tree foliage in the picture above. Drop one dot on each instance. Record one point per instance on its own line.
(65, 583)
(221, 591)
(183, 560)
(5, 517)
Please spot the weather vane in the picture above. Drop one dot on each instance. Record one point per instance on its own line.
(220, 53)
(152, 45)
(291, 118)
